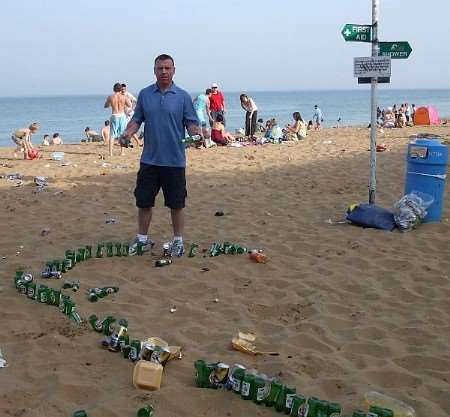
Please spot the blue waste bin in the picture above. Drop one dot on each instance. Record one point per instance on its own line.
(426, 172)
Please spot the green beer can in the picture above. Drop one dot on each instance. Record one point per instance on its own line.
(53, 297)
(62, 302)
(299, 406)
(275, 390)
(237, 374)
(42, 294)
(247, 384)
(22, 286)
(88, 251)
(380, 411)
(135, 350)
(108, 326)
(18, 277)
(334, 410)
(69, 307)
(118, 248)
(126, 351)
(280, 402)
(261, 388)
(290, 393)
(125, 249)
(31, 290)
(100, 249)
(201, 374)
(80, 413)
(109, 249)
(359, 413)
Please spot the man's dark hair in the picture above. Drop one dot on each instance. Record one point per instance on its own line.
(87, 129)
(164, 57)
(208, 91)
(45, 136)
(297, 116)
(55, 135)
(123, 85)
(260, 121)
(106, 122)
(219, 118)
(117, 87)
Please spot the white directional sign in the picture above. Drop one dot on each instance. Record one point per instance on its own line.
(372, 66)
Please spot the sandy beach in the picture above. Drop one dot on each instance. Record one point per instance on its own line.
(349, 309)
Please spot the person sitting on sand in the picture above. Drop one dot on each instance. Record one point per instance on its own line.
(56, 139)
(401, 119)
(22, 139)
(276, 133)
(260, 128)
(310, 125)
(218, 133)
(389, 119)
(46, 140)
(92, 135)
(298, 130)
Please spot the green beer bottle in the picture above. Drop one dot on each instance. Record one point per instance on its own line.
(18, 276)
(118, 248)
(69, 307)
(247, 385)
(125, 249)
(75, 316)
(99, 252)
(275, 390)
(53, 297)
(334, 410)
(109, 249)
(299, 406)
(126, 351)
(359, 413)
(322, 410)
(80, 413)
(62, 302)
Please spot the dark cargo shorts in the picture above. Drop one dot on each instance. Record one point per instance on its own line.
(151, 178)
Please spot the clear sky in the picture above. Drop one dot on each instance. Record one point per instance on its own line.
(50, 47)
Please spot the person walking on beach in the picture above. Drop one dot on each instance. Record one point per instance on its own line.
(22, 139)
(167, 111)
(251, 114)
(317, 117)
(217, 103)
(202, 108)
(118, 121)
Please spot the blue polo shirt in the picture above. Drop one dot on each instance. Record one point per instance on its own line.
(166, 115)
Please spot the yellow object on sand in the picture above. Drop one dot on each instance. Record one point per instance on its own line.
(243, 343)
(175, 351)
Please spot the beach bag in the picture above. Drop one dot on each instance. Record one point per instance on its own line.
(370, 215)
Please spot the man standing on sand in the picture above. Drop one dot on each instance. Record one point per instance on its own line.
(216, 103)
(167, 111)
(118, 120)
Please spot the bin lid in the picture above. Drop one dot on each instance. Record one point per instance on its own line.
(427, 149)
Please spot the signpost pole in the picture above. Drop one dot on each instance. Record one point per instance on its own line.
(373, 118)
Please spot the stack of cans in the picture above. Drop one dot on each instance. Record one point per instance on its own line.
(226, 248)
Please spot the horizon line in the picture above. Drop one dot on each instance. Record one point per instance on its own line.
(226, 91)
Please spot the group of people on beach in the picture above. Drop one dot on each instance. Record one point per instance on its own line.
(396, 116)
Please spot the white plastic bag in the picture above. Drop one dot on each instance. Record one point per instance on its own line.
(411, 209)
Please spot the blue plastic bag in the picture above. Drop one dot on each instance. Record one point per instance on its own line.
(370, 215)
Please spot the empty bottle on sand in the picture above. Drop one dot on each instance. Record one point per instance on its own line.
(399, 408)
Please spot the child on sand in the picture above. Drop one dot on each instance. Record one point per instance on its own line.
(56, 139)
(22, 139)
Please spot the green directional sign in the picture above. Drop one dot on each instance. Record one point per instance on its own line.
(357, 33)
(396, 50)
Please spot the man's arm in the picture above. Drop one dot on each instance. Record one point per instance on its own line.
(223, 102)
(107, 102)
(132, 128)
(208, 110)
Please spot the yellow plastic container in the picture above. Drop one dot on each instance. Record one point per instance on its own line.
(147, 375)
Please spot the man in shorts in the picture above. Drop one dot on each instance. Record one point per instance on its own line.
(118, 120)
(22, 140)
(167, 111)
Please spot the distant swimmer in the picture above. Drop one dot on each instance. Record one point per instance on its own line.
(118, 121)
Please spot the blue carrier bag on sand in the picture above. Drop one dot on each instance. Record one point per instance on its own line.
(370, 215)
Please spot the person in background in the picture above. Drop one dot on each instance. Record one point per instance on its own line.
(216, 103)
(46, 141)
(118, 101)
(218, 133)
(56, 139)
(91, 135)
(129, 111)
(407, 112)
(22, 139)
(276, 133)
(251, 115)
(260, 127)
(106, 133)
(413, 113)
(298, 130)
(317, 117)
(310, 125)
(202, 108)
(167, 112)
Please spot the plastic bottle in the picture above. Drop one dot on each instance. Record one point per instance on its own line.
(400, 409)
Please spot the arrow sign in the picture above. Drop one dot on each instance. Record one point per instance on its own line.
(357, 33)
(396, 50)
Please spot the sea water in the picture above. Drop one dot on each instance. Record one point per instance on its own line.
(70, 115)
